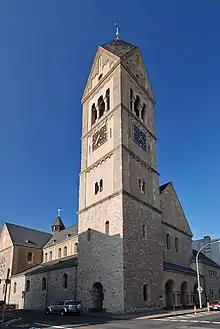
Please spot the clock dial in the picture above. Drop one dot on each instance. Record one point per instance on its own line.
(140, 137)
(99, 137)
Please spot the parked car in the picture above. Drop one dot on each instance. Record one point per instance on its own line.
(215, 306)
(63, 307)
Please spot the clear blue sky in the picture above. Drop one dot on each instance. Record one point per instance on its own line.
(46, 51)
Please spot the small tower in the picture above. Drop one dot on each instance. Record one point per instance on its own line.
(58, 225)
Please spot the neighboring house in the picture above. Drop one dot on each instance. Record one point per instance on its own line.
(211, 250)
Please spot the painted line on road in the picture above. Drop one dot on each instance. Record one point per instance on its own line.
(58, 327)
(216, 322)
(204, 321)
(7, 323)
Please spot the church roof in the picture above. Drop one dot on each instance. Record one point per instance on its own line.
(178, 268)
(58, 222)
(63, 235)
(163, 187)
(204, 259)
(27, 237)
(119, 47)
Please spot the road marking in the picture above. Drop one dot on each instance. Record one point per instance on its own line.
(58, 327)
(204, 321)
(7, 323)
(216, 322)
(193, 320)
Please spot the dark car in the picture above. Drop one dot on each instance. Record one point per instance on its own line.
(63, 307)
(215, 306)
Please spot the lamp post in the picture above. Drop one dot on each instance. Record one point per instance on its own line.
(197, 270)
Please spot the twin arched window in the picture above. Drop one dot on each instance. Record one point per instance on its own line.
(102, 106)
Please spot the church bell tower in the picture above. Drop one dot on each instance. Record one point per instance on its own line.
(119, 253)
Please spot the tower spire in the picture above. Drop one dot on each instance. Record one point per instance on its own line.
(117, 32)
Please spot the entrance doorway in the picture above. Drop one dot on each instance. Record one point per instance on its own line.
(183, 294)
(169, 286)
(98, 296)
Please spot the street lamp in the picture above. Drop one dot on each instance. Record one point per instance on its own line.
(197, 270)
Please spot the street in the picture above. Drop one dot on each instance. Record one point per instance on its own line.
(37, 320)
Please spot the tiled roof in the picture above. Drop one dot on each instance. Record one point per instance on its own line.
(204, 259)
(27, 237)
(162, 187)
(119, 47)
(63, 235)
(178, 268)
(58, 222)
(57, 264)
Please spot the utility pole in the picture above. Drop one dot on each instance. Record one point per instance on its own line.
(7, 282)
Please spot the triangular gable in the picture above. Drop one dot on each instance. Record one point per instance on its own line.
(173, 213)
(134, 63)
(5, 238)
(104, 61)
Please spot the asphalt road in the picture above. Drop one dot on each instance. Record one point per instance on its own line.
(37, 320)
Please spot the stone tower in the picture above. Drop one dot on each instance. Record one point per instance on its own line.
(120, 257)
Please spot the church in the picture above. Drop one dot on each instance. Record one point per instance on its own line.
(131, 249)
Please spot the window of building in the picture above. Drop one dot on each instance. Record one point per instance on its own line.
(110, 132)
(101, 185)
(107, 228)
(144, 231)
(45, 257)
(101, 106)
(50, 255)
(44, 283)
(15, 287)
(141, 184)
(59, 253)
(137, 105)
(89, 234)
(143, 113)
(145, 292)
(94, 114)
(107, 95)
(65, 281)
(99, 78)
(28, 285)
(76, 248)
(131, 99)
(176, 244)
(65, 251)
(96, 187)
(3, 291)
(30, 257)
(168, 241)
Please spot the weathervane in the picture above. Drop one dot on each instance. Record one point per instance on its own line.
(117, 32)
(58, 212)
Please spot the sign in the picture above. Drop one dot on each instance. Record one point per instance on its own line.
(200, 289)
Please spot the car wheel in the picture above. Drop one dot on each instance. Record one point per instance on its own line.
(62, 312)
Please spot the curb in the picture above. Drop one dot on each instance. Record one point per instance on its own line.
(165, 315)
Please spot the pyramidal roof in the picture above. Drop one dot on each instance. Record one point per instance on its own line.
(58, 222)
(118, 47)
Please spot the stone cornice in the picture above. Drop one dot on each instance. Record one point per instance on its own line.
(175, 228)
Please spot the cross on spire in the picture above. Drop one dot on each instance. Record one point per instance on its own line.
(117, 32)
(58, 212)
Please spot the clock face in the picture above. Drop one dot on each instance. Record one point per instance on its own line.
(99, 138)
(2, 265)
(140, 137)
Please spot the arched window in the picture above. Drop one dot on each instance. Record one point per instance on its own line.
(59, 253)
(101, 106)
(89, 234)
(50, 255)
(30, 257)
(107, 228)
(96, 187)
(15, 287)
(45, 257)
(76, 248)
(28, 285)
(168, 241)
(3, 289)
(65, 281)
(44, 283)
(143, 110)
(65, 251)
(101, 185)
(176, 244)
(131, 99)
(107, 95)
(94, 114)
(144, 231)
(137, 105)
(145, 292)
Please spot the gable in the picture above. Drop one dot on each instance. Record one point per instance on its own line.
(103, 63)
(134, 63)
(5, 239)
(173, 213)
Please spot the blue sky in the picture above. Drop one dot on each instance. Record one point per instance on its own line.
(46, 51)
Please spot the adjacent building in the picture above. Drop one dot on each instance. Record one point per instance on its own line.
(212, 249)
